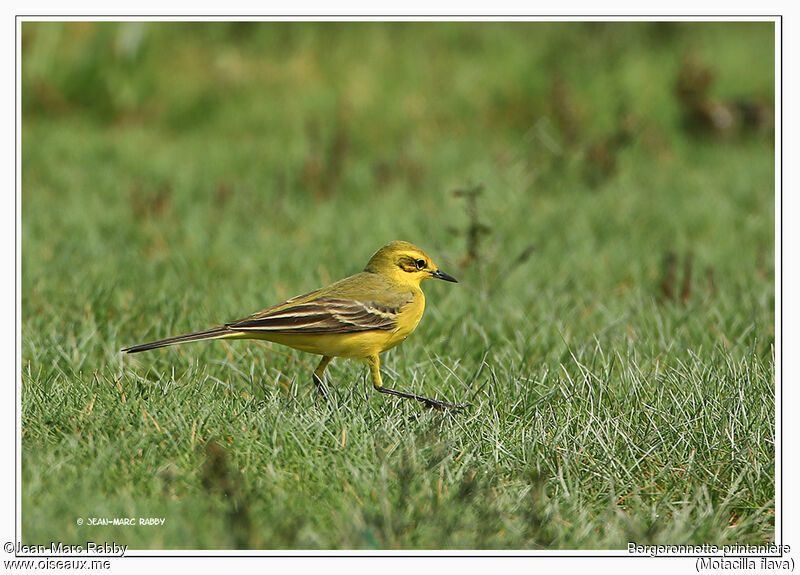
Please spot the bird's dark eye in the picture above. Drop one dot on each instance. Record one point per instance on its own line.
(420, 264)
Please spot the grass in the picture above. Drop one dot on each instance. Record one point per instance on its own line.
(180, 175)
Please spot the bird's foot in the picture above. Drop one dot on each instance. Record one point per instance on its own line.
(436, 404)
(443, 405)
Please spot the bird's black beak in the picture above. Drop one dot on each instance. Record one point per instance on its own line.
(440, 275)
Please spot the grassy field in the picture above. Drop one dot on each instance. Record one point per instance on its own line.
(613, 326)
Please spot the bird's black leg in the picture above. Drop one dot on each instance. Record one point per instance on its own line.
(432, 403)
(318, 375)
(377, 383)
(320, 386)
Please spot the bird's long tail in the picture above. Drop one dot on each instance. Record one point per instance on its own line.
(214, 333)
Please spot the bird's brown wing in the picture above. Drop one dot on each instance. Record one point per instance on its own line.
(362, 302)
(321, 316)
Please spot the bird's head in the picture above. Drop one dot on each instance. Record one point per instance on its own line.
(405, 263)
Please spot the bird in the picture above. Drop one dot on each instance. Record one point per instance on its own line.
(357, 318)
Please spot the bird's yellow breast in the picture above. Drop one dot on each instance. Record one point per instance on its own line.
(407, 319)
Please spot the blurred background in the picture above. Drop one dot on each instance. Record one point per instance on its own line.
(600, 190)
(336, 137)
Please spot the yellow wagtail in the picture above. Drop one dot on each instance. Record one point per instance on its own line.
(358, 317)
